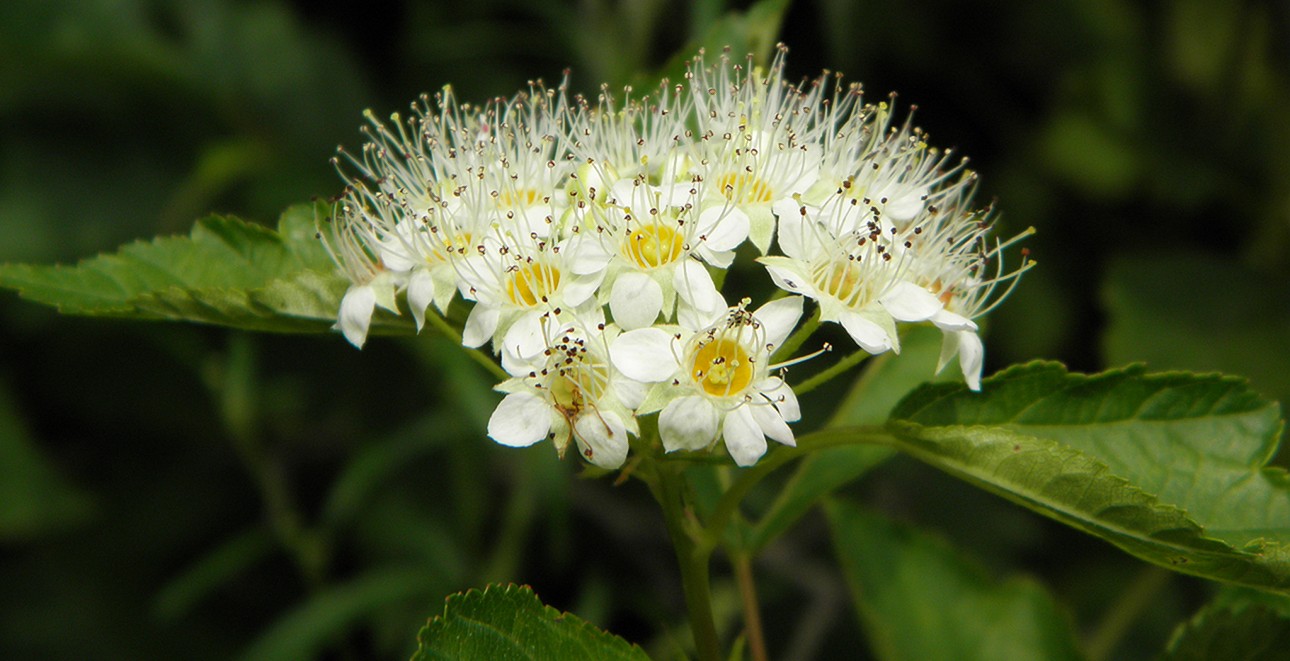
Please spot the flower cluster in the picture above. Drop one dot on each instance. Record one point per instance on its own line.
(588, 237)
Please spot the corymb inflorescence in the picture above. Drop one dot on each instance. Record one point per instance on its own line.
(588, 238)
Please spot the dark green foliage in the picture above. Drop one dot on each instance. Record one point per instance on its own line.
(508, 623)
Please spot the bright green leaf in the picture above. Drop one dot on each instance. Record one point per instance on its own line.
(509, 622)
(920, 600)
(1170, 467)
(226, 272)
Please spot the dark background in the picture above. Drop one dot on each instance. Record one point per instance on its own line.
(174, 491)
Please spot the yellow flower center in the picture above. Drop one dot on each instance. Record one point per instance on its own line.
(575, 384)
(841, 279)
(532, 283)
(520, 197)
(722, 367)
(653, 246)
(744, 188)
(449, 245)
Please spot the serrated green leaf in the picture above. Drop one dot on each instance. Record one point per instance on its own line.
(881, 386)
(1231, 632)
(1170, 467)
(508, 622)
(1198, 311)
(921, 600)
(226, 272)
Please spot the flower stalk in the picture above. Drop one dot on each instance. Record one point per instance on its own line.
(693, 558)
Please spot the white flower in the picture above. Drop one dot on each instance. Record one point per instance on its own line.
(717, 381)
(969, 282)
(854, 268)
(514, 281)
(757, 142)
(649, 252)
(892, 173)
(572, 392)
(372, 284)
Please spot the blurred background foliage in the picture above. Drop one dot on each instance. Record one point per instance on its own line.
(172, 491)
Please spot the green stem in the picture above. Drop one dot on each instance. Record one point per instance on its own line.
(239, 407)
(832, 372)
(798, 337)
(867, 378)
(694, 548)
(669, 490)
(1121, 616)
(752, 613)
(508, 547)
(450, 332)
(728, 505)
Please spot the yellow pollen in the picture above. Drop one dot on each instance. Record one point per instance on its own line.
(530, 283)
(566, 394)
(944, 294)
(571, 388)
(520, 197)
(842, 280)
(652, 246)
(722, 367)
(449, 246)
(743, 188)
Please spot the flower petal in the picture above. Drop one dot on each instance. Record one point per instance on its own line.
(971, 358)
(723, 227)
(480, 325)
(761, 226)
(602, 438)
(644, 354)
(903, 202)
(524, 341)
(445, 287)
(636, 300)
(355, 315)
(870, 336)
(687, 423)
(786, 276)
(778, 318)
(677, 194)
(797, 233)
(629, 392)
(579, 288)
(421, 290)
(771, 423)
(718, 258)
(384, 289)
(694, 285)
(949, 349)
(520, 420)
(691, 318)
(744, 438)
(586, 254)
(949, 321)
(782, 397)
(906, 301)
